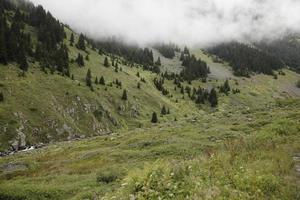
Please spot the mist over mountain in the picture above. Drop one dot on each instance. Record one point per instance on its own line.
(192, 22)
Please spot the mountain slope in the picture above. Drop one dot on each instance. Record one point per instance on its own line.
(242, 148)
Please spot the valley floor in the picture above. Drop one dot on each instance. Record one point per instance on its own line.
(240, 154)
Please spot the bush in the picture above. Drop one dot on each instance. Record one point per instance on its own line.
(107, 176)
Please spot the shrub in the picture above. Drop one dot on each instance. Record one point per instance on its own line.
(107, 177)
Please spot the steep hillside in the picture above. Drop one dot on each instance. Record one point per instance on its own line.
(118, 121)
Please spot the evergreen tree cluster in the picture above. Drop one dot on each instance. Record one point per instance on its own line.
(193, 68)
(80, 60)
(287, 49)
(167, 50)
(165, 110)
(245, 59)
(132, 53)
(159, 84)
(16, 45)
(225, 88)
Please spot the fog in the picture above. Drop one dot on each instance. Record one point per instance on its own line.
(190, 22)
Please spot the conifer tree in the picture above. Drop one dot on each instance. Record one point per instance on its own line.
(102, 81)
(3, 51)
(213, 99)
(81, 43)
(96, 81)
(106, 62)
(124, 96)
(80, 60)
(154, 118)
(88, 78)
(22, 60)
(164, 110)
(72, 40)
(158, 62)
(139, 85)
(1, 97)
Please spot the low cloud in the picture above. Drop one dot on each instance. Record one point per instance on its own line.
(191, 22)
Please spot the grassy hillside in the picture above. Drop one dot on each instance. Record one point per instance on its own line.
(232, 152)
(245, 148)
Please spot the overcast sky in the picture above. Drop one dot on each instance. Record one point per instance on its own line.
(200, 22)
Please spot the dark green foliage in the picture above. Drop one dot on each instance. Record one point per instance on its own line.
(158, 62)
(3, 50)
(167, 50)
(186, 51)
(124, 95)
(139, 85)
(159, 84)
(88, 78)
(62, 60)
(81, 42)
(245, 59)
(154, 118)
(1, 97)
(194, 68)
(286, 49)
(80, 60)
(298, 84)
(132, 53)
(225, 88)
(87, 58)
(213, 99)
(50, 31)
(22, 60)
(96, 81)
(164, 111)
(102, 81)
(106, 177)
(106, 62)
(72, 39)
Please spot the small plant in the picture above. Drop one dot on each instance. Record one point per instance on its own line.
(106, 177)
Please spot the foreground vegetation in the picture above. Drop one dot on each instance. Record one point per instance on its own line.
(238, 155)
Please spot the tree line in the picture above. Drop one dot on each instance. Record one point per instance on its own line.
(245, 59)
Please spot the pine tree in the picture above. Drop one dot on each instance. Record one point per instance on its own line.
(81, 43)
(158, 62)
(102, 81)
(3, 51)
(213, 99)
(96, 81)
(139, 85)
(164, 110)
(154, 118)
(106, 62)
(182, 56)
(72, 40)
(87, 58)
(124, 96)
(88, 78)
(1, 97)
(80, 60)
(22, 60)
